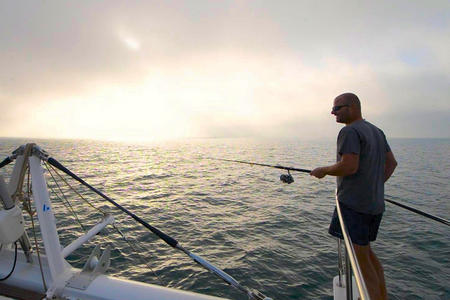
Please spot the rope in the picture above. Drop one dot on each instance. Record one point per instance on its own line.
(14, 265)
(70, 208)
(26, 154)
(136, 250)
(76, 192)
(85, 200)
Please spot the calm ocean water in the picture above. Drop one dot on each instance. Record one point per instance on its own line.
(267, 235)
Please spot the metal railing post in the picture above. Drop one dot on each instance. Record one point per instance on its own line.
(351, 260)
(340, 265)
(348, 277)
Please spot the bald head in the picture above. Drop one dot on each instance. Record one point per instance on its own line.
(350, 99)
(347, 108)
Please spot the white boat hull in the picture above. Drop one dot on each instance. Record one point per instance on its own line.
(340, 291)
(27, 276)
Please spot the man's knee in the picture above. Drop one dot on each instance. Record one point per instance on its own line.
(362, 250)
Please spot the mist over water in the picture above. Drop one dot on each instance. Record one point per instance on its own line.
(268, 235)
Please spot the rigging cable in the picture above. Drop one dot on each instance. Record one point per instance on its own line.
(27, 207)
(101, 211)
(252, 294)
(98, 209)
(69, 207)
(136, 250)
(14, 265)
(75, 191)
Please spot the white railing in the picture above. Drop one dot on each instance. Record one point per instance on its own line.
(353, 261)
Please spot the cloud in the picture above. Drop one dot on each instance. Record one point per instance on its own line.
(220, 67)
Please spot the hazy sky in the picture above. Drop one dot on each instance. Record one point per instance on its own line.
(145, 70)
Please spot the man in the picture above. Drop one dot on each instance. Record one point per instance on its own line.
(364, 162)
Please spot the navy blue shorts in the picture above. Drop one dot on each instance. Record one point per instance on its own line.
(362, 228)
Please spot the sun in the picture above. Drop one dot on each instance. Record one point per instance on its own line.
(132, 43)
(129, 41)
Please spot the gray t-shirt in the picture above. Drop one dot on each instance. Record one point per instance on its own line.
(364, 190)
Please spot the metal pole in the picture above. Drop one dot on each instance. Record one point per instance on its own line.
(46, 219)
(6, 199)
(348, 277)
(86, 237)
(340, 266)
(15, 190)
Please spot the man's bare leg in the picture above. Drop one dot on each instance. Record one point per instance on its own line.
(369, 271)
(380, 272)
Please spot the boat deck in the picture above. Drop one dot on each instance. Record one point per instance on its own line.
(17, 293)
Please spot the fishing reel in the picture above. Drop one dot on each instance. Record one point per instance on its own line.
(287, 178)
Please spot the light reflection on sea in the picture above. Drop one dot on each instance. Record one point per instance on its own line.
(268, 235)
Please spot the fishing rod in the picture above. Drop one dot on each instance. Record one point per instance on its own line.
(265, 165)
(252, 294)
(5, 162)
(287, 178)
(417, 211)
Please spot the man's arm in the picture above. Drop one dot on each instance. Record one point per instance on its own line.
(348, 165)
(390, 165)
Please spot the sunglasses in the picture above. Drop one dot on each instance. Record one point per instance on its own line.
(338, 107)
